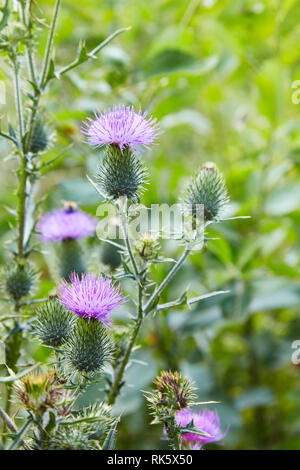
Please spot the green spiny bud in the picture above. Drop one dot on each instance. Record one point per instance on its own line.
(39, 391)
(89, 348)
(75, 437)
(40, 137)
(19, 280)
(121, 174)
(54, 324)
(209, 190)
(93, 422)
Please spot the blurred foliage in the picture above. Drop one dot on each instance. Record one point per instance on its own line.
(218, 75)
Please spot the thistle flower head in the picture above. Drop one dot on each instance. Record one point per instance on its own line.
(39, 391)
(209, 190)
(54, 323)
(64, 224)
(206, 420)
(121, 126)
(173, 393)
(18, 280)
(90, 296)
(89, 348)
(121, 174)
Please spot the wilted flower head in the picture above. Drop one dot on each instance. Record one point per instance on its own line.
(121, 126)
(90, 296)
(39, 391)
(206, 420)
(65, 224)
(147, 246)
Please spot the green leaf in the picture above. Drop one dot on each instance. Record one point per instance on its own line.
(110, 441)
(189, 117)
(283, 200)
(274, 294)
(78, 190)
(258, 396)
(5, 15)
(51, 71)
(13, 377)
(169, 61)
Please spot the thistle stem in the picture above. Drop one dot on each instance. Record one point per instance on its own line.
(25, 17)
(8, 137)
(118, 379)
(124, 227)
(138, 322)
(19, 437)
(166, 280)
(18, 99)
(45, 69)
(141, 312)
(91, 55)
(21, 205)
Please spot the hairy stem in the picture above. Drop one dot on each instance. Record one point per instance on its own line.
(166, 280)
(18, 97)
(45, 69)
(20, 435)
(119, 376)
(124, 227)
(25, 18)
(91, 55)
(138, 322)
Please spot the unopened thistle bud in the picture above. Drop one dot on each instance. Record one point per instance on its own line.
(89, 429)
(121, 174)
(89, 348)
(54, 324)
(40, 138)
(19, 280)
(39, 391)
(147, 247)
(172, 393)
(209, 190)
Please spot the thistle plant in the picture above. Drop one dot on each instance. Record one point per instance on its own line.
(170, 405)
(76, 325)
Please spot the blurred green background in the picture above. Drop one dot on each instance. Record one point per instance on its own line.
(218, 75)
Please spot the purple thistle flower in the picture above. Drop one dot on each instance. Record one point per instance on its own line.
(64, 224)
(121, 126)
(90, 296)
(205, 420)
